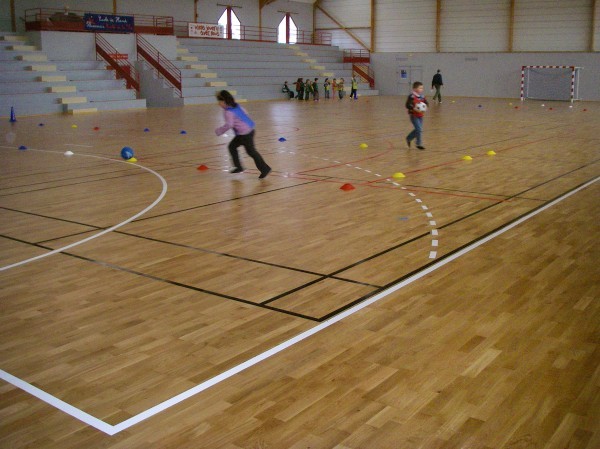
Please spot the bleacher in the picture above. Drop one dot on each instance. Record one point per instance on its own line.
(253, 70)
(32, 83)
(257, 70)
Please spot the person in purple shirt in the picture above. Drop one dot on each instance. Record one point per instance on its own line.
(237, 118)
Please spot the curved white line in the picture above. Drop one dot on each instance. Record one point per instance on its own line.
(106, 231)
(114, 429)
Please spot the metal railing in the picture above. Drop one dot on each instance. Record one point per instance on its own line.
(360, 60)
(241, 32)
(316, 38)
(261, 34)
(357, 56)
(122, 67)
(48, 19)
(162, 66)
(364, 72)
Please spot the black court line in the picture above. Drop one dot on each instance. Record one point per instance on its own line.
(66, 236)
(223, 201)
(51, 218)
(89, 181)
(445, 256)
(246, 259)
(167, 281)
(453, 222)
(264, 304)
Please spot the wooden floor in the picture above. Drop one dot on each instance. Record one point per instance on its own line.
(451, 340)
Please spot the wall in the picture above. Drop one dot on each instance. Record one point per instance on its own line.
(271, 15)
(481, 74)
(181, 10)
(5, 20)
(464, 25)
(155, 90)
(62, 46)
(355, 15)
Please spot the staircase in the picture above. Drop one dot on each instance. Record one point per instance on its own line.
(257, 70)
(199, 83)
(330, 61)
(33, 84)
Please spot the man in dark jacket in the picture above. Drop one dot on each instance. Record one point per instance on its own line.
(436, 83)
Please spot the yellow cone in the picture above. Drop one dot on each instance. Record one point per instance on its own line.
(467, 158)
(132, 159)
(73, 126)
(363, 146)
(491, 153)
(399, 175)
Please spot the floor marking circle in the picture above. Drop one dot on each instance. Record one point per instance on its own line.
(106, 231)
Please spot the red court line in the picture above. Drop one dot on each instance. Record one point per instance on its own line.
(460, 160)
(368, 184)
(390, 144)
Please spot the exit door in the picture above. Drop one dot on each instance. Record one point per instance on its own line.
(406, 75)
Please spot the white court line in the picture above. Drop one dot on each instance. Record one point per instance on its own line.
(106, 231)
(55, 402)
(112, 430)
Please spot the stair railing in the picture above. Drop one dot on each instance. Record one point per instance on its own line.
(123, 68)
(162, 66)
(360, 60)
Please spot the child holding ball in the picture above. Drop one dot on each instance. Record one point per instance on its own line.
(416, 105)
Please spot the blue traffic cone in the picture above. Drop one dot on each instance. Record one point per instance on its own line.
(13, 117)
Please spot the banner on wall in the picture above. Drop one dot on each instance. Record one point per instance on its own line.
(206, 30)
(107, 23)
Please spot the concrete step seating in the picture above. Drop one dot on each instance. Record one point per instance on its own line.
(32, 84)
(257, 70)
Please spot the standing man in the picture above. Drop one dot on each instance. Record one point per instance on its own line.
(437, 83)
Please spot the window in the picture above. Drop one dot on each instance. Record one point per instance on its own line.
(283, 32)
(235, 24)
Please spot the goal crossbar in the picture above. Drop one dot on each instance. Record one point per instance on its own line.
(574, 82)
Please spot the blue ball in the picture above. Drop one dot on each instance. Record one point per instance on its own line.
(127, 153)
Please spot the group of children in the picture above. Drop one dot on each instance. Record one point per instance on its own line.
(308, 88)
(237, 118)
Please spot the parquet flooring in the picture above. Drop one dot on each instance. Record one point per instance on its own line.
(494, 346)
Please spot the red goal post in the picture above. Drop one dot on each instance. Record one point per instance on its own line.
(574, 87)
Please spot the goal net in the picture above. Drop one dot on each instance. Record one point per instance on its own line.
(550, 82)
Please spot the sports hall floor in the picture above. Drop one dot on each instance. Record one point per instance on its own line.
(152, 305)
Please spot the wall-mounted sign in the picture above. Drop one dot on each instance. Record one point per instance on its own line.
(206, 30)
(107, 23)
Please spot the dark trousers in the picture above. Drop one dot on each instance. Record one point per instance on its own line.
(247, 140)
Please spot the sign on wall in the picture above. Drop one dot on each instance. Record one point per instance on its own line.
(107, 23)
(206, 30)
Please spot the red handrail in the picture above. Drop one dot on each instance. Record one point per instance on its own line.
(364, 72)
(122, 67)
(357, 56)
(161, 64)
